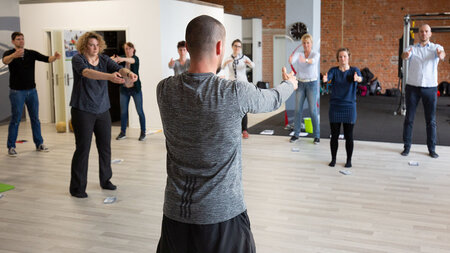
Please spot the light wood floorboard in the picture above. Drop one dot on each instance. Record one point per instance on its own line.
(296, 203)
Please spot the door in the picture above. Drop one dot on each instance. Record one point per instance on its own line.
(59, 100)
(64, 42)
(279, 58)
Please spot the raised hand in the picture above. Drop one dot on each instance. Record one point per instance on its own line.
(19, 53)
(302, 59)
(440, 54)
(171, 62)
(289, 77)
(57, 55)
(405, 55)
(228, 61)
(357, 78)
(116, 78)
(325, 78)
(133, 77)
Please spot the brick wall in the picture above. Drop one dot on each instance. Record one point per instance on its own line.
(371, 30)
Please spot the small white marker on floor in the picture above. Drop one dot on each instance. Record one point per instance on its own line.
(413, 163)
(116, 161)
(109, 200)
(345, 172)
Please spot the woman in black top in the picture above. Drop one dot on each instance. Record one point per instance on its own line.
(131, 62)
(90, 109)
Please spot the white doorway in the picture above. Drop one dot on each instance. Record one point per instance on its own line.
(279, 58)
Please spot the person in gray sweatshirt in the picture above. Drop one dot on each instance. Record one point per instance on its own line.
(201, 113)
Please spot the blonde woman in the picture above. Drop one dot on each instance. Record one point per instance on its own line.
(90, 109)
(306, 65)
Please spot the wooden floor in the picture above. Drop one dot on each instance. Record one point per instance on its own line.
(296, 203)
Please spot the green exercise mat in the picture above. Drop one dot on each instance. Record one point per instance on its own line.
(5, 187)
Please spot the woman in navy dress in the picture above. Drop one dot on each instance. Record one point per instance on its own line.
(343, 80)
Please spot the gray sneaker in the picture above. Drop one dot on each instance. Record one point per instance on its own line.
(42, 148)
(12, 152)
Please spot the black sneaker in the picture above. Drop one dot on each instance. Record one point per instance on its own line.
(142, 136)
(293, 139)
(42, 148)
(109, 186)
(12, 152)
(316, 140)
(405, 152)
(121, 136)
(434, 154)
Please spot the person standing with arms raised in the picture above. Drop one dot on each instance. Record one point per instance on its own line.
(344, 81)
(422, 84)
(131, 62)
(307, 63)
(181, 64)
(237, 70)
(204, 209)
(21, 63)
(90, 109)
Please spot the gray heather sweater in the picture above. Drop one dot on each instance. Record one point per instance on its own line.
(201, 116)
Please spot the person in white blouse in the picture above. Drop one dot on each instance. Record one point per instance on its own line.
(306, 65)
(237, 70)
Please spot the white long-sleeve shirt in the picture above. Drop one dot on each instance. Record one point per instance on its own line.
(306, 70)
(241, 74)
(423, 63)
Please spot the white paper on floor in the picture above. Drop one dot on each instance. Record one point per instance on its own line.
(302, 134)
(413, 163)
(268, 132)
(295, 149)
(345, 172)
(115, 161)
(109, 200)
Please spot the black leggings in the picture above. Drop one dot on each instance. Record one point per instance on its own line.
(244, 122)
(348, 135)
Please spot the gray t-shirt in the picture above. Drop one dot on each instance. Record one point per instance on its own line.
(201, 116)
(178, 68)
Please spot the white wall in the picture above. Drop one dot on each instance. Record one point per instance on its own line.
(175, 15)
(257, 49)
(143, 29)
(233, 26)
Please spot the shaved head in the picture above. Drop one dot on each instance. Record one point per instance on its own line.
(202, 34)
(424, 33)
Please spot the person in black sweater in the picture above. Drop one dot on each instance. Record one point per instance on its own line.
(21, 63)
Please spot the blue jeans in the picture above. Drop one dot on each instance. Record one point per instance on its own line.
(429, 100)
(124, 102)
(310, 91)
(18, 98)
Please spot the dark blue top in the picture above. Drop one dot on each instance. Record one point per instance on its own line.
(343, 95)
(135, 69)
(21, 70)
(91, 95)
(343, 86)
